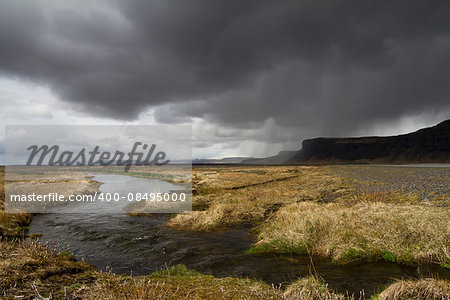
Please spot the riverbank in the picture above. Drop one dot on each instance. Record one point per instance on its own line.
(31, 270)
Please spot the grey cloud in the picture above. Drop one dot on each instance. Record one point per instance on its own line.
(323, 67)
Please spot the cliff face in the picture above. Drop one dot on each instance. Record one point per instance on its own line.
(426, 145)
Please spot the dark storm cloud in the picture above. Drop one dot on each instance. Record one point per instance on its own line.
(332, 65)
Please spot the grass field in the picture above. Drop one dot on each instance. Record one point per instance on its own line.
(346, 213)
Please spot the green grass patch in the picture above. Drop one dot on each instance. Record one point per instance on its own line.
(177, 270)
(389, 256)
(74, 286)
(375, 297)
(68, 255)
(22, 229)
(278, 246)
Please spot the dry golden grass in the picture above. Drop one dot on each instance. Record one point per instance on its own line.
(315, 210)
(28, 268)
(311, 288)
(312, 210)
(31, 270)
(365, 231)
(179, 283)
(299, 209)
(11, 225)
(231, 196)
(423, 289)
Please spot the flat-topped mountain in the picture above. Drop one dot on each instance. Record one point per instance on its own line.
(428, 145)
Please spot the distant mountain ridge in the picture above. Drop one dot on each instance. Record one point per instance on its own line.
(226, 160)
(427, 145)
(281, 158)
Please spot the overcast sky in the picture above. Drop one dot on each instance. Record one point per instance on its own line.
(252, 77)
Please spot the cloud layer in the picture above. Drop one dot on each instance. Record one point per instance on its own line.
(305, 67)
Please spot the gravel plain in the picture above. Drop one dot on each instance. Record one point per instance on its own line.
(427, 183)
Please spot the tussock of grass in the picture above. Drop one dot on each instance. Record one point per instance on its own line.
(26, 264)
(29, 268)
(423, 289)
(12, 226)
(218, 216)
(365, 231)
(177, 270)
(179, 282)
(310, 288)
(33, 270)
